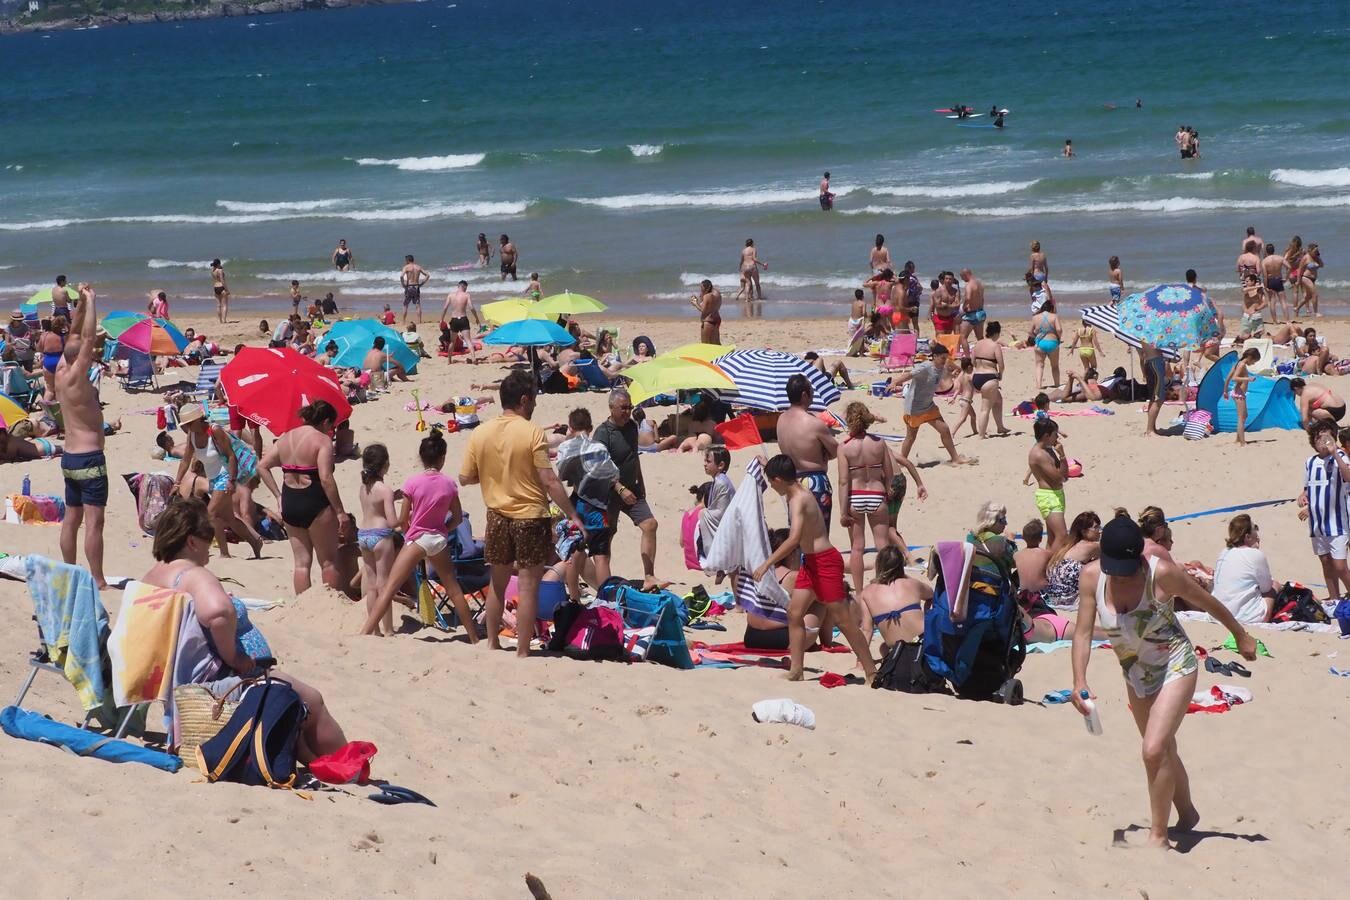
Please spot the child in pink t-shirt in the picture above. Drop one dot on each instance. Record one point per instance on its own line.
(429, 513)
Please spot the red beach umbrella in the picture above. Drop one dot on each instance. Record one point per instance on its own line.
(271, 385)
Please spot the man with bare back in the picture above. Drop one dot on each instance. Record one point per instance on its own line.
(83, 464)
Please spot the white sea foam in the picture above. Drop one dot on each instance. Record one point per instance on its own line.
(241, 206)
(879, 211)
(641, 150)
(376, 276)
(983, 189)
(1166, 205)
(1313, 177)
(427, 163)
(176, 264)
(1195, 176)
(728, 199)
(834, 281)
(479, 209)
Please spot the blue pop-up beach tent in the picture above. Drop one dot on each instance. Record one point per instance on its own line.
(1270, 402)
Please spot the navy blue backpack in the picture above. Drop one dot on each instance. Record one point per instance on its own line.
(257, 745)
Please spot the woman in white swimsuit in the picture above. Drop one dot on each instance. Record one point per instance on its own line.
(1132, 597)
(865, 472)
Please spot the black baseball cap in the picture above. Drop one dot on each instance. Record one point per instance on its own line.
(1122, 547)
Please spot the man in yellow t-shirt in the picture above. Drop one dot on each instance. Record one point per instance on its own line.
(508, 456)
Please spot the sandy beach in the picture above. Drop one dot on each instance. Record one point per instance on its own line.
(612, 780)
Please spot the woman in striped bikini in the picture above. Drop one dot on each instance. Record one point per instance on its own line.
(865, 471)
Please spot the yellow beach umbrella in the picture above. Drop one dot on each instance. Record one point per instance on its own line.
(668, 374)
(499, 312)
(569, 304)
(705, 352)
(11, 413)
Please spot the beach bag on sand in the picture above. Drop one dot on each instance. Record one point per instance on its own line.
(587, 632)
(903, 670)
(1295, 603)
(666, 613)
(1198, 425)
(257, 745)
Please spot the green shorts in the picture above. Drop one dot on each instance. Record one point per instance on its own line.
(1049, 501)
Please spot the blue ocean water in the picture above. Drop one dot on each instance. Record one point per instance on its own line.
(629, 149)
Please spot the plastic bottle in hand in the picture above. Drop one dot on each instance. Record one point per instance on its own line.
(785, 711)
(1093, 719)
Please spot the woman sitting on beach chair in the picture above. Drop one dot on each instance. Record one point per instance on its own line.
(182, 548)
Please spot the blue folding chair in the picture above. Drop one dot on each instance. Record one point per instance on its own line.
(592, 374)
(140, 372)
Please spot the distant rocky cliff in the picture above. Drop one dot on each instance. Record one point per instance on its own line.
(58, 16)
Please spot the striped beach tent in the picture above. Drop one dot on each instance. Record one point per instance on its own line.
(1107, 318)
(761, 378)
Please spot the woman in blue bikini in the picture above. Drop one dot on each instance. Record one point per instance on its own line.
(893, 602)
(376, 538)
(1045, 333)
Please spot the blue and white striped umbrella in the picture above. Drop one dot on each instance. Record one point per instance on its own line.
(761, 378)
(1107, 318)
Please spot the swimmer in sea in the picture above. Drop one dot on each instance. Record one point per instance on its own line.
(343, 258)
(484, 250)
(826, 198)
(1068, 148)
(1115, 280)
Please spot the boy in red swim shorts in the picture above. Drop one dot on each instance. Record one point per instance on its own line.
(819, 587)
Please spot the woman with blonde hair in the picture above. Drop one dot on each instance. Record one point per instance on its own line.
(865, 472)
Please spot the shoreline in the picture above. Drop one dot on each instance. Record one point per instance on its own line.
(227, 10)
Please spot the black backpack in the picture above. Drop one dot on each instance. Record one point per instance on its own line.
(903, 670)
(257, 745)
(1297, 604)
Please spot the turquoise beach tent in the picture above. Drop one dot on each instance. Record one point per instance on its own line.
(1270, 402)
(355, 337)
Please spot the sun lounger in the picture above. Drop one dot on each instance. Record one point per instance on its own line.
(593, 375)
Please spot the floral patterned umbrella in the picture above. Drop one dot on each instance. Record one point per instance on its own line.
(1169, 316)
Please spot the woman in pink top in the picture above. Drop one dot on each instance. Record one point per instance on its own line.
(430, 512)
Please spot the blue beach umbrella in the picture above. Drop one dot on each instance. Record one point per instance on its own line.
(355, 337)
(761, 378)
(1169, 316)
(529, 333)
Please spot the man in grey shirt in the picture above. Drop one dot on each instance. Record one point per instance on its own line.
(919, 405)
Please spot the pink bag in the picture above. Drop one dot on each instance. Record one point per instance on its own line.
(595, 633)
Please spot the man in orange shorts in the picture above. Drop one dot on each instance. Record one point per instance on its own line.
(920, 407)
(819, 587)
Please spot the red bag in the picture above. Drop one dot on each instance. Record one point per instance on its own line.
(739, 432)
(349, 764)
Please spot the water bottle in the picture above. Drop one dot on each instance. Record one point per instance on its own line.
(1092, 720)
(785, 711)
(27, 486)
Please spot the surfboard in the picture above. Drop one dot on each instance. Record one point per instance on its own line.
(968, 116)
(944, 110)
(988, 126)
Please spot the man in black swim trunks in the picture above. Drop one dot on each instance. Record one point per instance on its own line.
(412, 278)
(507, 255)
(458, 307)
(83, 466)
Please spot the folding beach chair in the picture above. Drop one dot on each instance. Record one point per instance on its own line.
(474, 577)
(593, 375)
(40, 660)
(140, 372)
(208, 380)
(950, 341)
(904, 344)
(19, 386)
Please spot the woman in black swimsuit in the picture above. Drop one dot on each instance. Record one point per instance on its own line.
(342, 257)
(310, 505)
(987, 355)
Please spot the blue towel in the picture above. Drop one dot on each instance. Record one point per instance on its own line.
(74, 623)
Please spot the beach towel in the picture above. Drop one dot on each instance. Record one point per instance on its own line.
(741, 545)
(689, 539)
(144, 642)
(1219, 698)
(31, 726)
(1064, 413)
(73, 622)
(955, 558)
(1052, 646)
(38, 509)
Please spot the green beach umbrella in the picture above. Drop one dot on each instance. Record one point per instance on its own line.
(569, 304)
(45, 296)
